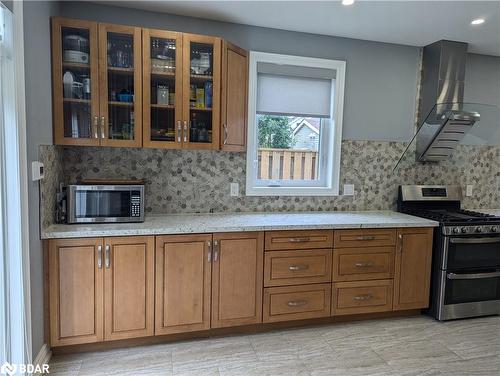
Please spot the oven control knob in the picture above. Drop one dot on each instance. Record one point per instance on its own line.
(494, 229)
(456, 230)
(464, 230)
(479, 229)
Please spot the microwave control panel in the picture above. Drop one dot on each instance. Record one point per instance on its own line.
(135, 204)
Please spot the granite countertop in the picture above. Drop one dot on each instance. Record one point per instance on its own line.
(233, 222)
(489, 211)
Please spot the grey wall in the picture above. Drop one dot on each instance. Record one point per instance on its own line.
(380, 79)
(39, 132)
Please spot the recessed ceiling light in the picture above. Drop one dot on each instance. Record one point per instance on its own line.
(347, 2)
(477, 21)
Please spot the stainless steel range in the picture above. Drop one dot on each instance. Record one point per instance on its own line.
(466, 255)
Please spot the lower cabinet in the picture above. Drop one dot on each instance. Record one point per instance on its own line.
(100, 289)
(413, 268)
(183, 283)
(350, 298)
(237, 278)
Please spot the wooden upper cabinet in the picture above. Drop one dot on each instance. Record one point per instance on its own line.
(201, 91)
(128, 287)
(162, 82)
(76, 291)
(412, 268)
(234, 94)
(183, 282)
(237, 278)
(75, 83)
(120, 85)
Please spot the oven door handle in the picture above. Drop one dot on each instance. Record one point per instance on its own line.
(473, 275)
(475, 240)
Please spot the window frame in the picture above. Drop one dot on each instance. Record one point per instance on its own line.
(331, 139)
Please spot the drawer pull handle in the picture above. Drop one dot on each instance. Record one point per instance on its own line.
(299, 240)
(363, 297)
(297, 303)
(364, 264)
(366, 237)
(294, 268)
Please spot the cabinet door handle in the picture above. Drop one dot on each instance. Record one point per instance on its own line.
(103, 136)
(216, 250)
(99, 256)
(367, 264)
(299, 240)
(294, 268)
(363, 297)
(185, 131)
(94, 127)
(366, 237)
(209, 253)
(297, 303)
(107, 258)
(179, 131)
(225, 133)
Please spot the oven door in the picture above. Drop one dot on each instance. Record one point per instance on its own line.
(94, 204)
(468, 294)
(471, 253)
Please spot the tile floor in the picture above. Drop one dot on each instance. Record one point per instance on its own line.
(399, 346)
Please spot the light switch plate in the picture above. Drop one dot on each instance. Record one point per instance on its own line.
(348, 189)
(468, 190)
(235, 189)
(37, 172)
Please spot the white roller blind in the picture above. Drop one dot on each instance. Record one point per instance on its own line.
(295, 91)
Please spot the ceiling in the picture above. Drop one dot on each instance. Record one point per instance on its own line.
(415, 23)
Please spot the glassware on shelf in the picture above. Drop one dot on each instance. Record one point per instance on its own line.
(162, 94)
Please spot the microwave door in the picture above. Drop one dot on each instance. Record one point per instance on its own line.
(87, 204)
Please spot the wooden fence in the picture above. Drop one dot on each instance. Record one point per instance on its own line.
(287, 164)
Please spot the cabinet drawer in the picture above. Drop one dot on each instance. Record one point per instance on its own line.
(302, 239)
(365, 238)
(357, 264)
(297, 302)
(361, 297)
(282, 268)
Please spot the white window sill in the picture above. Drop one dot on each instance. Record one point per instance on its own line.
(292, 191)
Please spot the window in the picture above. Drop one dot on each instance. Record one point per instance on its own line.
(294, 125)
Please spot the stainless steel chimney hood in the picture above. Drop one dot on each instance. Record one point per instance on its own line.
(443, 121)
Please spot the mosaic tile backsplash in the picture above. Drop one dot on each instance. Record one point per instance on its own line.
(198, 181)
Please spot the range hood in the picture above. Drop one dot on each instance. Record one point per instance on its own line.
(444, 122)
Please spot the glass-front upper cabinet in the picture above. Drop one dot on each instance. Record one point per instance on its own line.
(75, 82)
(162, 82)
(120, 71)
(201, 91)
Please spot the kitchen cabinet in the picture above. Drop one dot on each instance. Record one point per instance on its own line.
(412, 268)
(162, 82)
(76, 281)
(237, 278)
(183, 283)
(128, 287)
(97, 84)
(100, 289)
(350, 298)
(234, 97)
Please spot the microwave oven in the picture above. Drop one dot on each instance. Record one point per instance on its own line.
(105, 203)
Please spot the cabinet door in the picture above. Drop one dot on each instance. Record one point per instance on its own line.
(74, 82)
(413, 268)
(120, 85)
(201, 91)
(183, 275)
(237, 279)
(162, 82)
(75, 289)
(128, 287)
(234, 98)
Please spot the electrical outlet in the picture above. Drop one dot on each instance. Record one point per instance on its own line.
(468, 190)
(348, 189)
(37, 172)
(235, 189)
